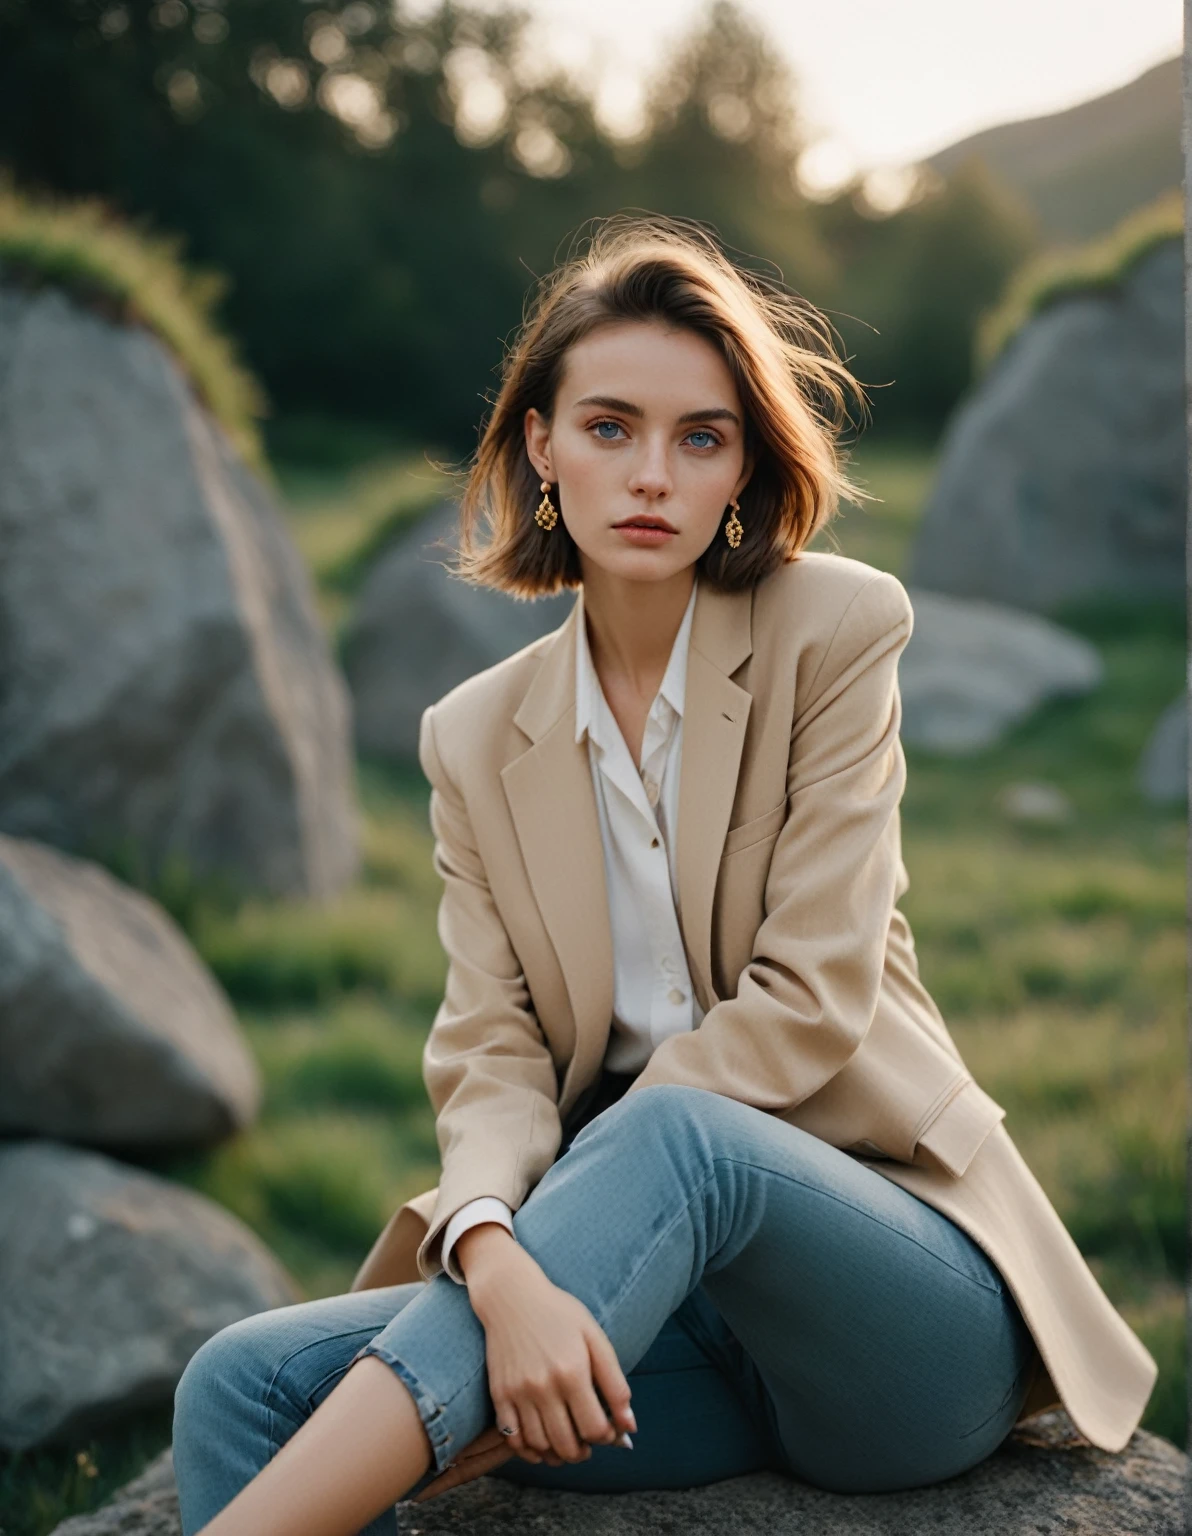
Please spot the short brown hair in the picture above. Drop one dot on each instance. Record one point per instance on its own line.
(777, 346)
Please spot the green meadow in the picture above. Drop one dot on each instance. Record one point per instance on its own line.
(1056, 953)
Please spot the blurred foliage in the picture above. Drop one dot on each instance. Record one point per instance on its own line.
(342, 522)
(133, 276)
(1099, 266)
(911, 287)
(381, 191)
(377, 936)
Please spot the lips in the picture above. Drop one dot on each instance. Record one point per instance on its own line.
(647, 522)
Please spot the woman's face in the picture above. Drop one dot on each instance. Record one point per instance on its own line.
(647, 424)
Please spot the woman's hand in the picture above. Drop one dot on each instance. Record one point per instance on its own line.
(488, 1451)
(546, 1354)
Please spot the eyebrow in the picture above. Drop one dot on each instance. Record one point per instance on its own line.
(627, 408)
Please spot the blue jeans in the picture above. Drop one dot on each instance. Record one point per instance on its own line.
(773, 1303)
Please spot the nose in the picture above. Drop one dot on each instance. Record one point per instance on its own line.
(650, 475)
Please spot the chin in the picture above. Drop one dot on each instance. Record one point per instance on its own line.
(641, 565)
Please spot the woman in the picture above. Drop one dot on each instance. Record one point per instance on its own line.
(718, 1192)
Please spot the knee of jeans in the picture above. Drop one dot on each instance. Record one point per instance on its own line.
(216, 1367)
(194, 1389)
(664, 1107)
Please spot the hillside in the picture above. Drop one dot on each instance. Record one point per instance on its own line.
(1085, 168)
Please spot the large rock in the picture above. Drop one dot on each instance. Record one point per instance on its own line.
(416, 631)
(1064, 474)
(164, 681)
(973, 670)
(110, 1279)
(1042, 1483)
(112, 1031)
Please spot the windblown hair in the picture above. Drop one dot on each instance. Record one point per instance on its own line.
(777, 346)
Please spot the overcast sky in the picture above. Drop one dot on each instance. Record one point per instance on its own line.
(889, 81)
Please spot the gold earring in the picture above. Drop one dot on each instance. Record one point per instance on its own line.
(734, 528)
(546, 516)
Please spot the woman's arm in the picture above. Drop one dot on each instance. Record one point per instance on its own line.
(493, 1086)
(488, 1070)
(806, 999)
(485, 1208)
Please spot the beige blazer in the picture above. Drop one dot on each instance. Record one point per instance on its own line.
(789, 871)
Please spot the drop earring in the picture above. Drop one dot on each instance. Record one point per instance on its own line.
(546, 516)
(734, 528)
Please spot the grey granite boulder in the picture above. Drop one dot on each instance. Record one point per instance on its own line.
(110, 1279)
(1064, 473)
(972, 670)
(165, 685)
(112, 1031)
(1047, 1481)
(416, 631)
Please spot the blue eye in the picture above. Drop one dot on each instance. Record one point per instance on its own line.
(703, 432)
(616, 426)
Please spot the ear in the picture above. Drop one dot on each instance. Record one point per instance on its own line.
(537, 430)
(746, 474)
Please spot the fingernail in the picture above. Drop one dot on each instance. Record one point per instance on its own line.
(625, 1441)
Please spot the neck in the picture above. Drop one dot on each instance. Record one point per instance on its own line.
(631, 625)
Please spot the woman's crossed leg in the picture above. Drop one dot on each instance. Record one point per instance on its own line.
(772, 1301)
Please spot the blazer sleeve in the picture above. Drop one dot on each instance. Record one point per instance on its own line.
(487, 1067)
(805, 1001)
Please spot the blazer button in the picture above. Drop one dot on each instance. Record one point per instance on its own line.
(676, 996)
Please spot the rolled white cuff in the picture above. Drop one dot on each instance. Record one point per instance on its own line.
(483, 1208)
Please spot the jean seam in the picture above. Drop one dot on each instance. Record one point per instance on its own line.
(274, 1443)
(994, 1290)
(1010, 1391)
(632, 1279)
(803, 1184)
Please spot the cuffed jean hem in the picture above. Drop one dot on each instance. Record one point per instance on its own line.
(435, 1416)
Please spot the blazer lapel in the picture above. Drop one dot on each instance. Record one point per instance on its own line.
(715, 715)
(553, 804)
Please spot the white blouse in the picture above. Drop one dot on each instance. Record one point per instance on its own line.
(638, 810)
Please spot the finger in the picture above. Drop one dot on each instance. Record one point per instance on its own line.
(610, 1378)
(534, 1433)
(485, 1444)
(464, 1472)
(556, 1420)
(509, 1417)
(484, 1441)
(592, 1420)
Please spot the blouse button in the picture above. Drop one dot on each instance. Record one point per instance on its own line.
(652, 791)
(676, 996)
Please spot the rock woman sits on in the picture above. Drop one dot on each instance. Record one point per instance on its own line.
(718, 1192)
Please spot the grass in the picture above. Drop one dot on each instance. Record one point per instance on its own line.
(133, 276)
(341, 522)
(1056, 953)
